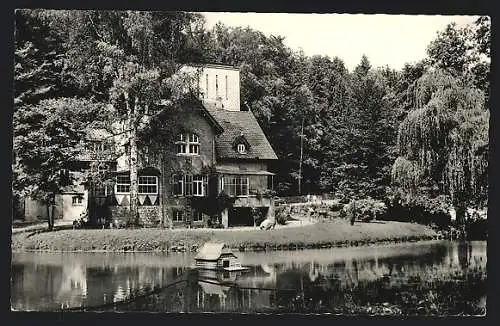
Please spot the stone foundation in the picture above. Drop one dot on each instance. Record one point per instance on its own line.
(149, 216)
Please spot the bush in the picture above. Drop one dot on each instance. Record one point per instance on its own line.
(281, 214)
(336, 206)
(365, 209)
(420, 209)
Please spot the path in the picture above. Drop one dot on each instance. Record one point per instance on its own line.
(41, 226)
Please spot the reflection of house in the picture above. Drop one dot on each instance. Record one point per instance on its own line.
(74, 285)
(219, 294)
(97, 153)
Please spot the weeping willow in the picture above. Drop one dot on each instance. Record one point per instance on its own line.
(444, 139)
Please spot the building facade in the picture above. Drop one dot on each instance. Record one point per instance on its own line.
(214, 171)
(217, 151)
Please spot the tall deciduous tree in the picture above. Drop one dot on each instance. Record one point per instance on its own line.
(128, 59)
(443, 142)
(123, 58)
(47, 136)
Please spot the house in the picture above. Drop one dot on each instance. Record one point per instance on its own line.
(217, 148)
(98, 152)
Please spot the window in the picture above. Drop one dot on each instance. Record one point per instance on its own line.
(178, 216)
(96, 146)
(148, 185)
(122, 184)
(197, 216)
(100, 191)
(77, 200)
(146, 155)
(226, 87)
(206, 85)
(177, 185)
(189, 185)
(188, 144)
(216, 86)
(236, 185)
(199, 185)
(242, 148)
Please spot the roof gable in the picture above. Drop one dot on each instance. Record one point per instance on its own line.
(241, 139)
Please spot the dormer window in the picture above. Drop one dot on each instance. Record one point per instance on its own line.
(188, 144)
(241, 148)
(241, 145)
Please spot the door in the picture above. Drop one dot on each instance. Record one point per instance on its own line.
(240, 216)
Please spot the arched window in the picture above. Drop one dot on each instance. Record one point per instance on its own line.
(241, 148)
(188, 144)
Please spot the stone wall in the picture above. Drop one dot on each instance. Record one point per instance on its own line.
(120, 215)
(149, 216)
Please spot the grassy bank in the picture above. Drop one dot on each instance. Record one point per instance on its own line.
(325, 234)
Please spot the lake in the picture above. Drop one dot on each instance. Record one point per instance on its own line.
(422, 278)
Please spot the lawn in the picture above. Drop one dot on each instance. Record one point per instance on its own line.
(323, 234)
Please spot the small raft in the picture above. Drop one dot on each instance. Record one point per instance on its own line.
(216, 256)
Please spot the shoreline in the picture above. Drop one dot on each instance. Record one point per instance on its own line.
(291, 247)
(331, 234)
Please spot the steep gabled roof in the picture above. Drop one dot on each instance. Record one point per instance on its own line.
(237, 124)
(205, 112)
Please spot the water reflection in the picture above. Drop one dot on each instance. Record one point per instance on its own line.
(335, 280)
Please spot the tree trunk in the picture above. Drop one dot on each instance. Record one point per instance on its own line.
(460, 213)
(134, 187)
(132, 127)
(50, 212)
(49, 220)
(301, 154)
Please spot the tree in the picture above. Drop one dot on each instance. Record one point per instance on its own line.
(47, 136)
(128, 59)
(362, 134)
(451, 50)
(103, 57)
(443, 142)
(464, 52)
(39, 59)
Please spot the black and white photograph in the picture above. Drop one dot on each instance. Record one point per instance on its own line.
(250, 163)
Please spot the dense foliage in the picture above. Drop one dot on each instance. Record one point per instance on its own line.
(421, 130)
(443, 141)
(365, 210)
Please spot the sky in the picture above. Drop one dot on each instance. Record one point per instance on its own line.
(391, 40)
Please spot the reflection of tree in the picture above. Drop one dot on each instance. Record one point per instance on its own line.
(336, 286)
(35, 287)
(73, 288)
(463, 255)
(100, 283)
